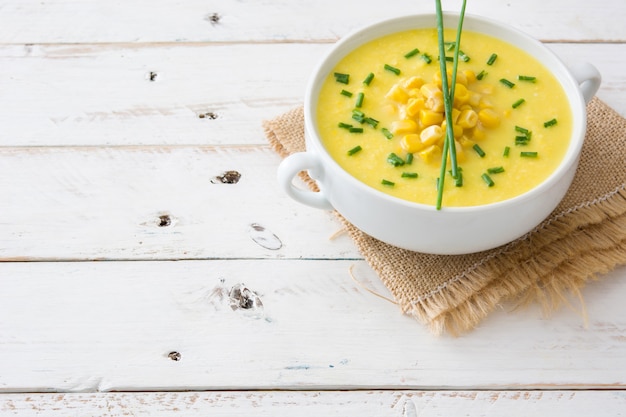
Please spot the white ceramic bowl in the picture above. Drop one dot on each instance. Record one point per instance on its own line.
(419, 227)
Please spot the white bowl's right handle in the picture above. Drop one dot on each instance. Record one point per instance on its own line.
(290, 167)
(588, 78)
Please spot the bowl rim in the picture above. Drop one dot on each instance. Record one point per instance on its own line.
(363, 34)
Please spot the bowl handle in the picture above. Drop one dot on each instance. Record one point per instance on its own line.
(290, 167)
(588, 78)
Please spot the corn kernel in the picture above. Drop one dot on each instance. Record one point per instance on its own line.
(431, 135)
(485, 103)
(455, 114)
(413, 82)
(430, 90)
(488, 118)
(470, 76)
(414, 105)
(429, 118)
(466, 142)
(411, 143)
(461, 95)
(397, 94)
(461, 78)
(478, 133)
(474, 99)
(414, 92)
(430, 154)
(435, 102)
(456, 129)
(467, 119)
(484, 89)
(400, 127)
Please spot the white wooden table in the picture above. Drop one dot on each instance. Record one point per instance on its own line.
(122, 250)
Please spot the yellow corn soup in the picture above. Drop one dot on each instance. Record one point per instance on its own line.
(380, 116)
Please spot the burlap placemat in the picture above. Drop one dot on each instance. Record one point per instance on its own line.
(585, 236)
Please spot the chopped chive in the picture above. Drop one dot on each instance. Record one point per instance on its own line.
(344, 125)
(387, 133)
(507, 82)
(518, 103)
(412, 53)
(527, 78)
(355, 130)
(550, 123)
(395, 160)
(478, 150)
(368, 79)
(392, 69)
(447, 58)
(487, 180)
(409, 175)
(495, 170)
(387, 183)
(355, 150)
(427, 58)
(507, 149)
(481, 75)
(492, 59)
(358, 115)
(458, 181)
(359, 100)
(358, 118)
(464, 56)
(342, 78)
(409, 158)
(450, 46)
(528, 154)
(371, 121)
(522, 130)
(346, 93)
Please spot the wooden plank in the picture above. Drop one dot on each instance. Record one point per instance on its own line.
(33, 21)
(69, 95)
(112, 326)
(327, 403)
(117, 95)
(155, 203)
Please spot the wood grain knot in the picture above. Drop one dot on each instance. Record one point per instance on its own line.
(164, 220)
(264, 237)
(242, 297)
(208, 115)
(228, 177)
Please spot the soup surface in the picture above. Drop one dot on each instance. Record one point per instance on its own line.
(380, 116)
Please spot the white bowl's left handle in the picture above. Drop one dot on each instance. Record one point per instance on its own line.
(290, 167)
(588, 78)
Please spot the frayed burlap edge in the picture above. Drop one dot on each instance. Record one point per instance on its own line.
(547, 271)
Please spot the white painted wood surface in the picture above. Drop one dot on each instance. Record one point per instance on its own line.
(328, 403)
(119, 246)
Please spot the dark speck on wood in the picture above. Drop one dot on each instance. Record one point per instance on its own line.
(228, 177)
(264, 237)
(214, 18)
